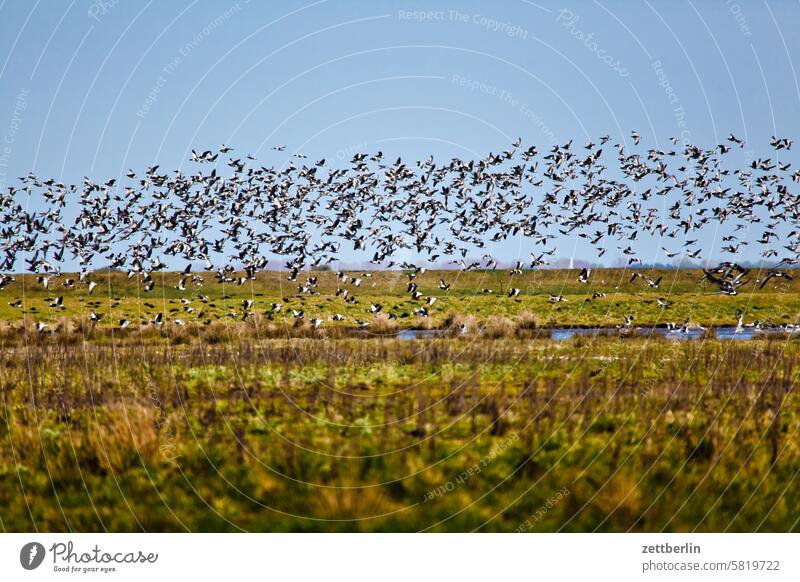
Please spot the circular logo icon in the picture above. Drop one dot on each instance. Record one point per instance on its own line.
(31, 555)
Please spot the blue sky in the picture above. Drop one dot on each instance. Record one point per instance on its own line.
(95, 88)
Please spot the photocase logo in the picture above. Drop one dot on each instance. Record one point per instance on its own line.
(31, 555)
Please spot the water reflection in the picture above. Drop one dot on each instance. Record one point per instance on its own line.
(723, 333)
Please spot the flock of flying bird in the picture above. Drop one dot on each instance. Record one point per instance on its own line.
(235, 221)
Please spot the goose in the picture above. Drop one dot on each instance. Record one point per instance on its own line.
(654, 283)
(775, 274)
(302, 212)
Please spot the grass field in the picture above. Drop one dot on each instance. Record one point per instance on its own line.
(181, 430)
(690, 298)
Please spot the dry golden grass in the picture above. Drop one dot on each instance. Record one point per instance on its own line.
(343, 434)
